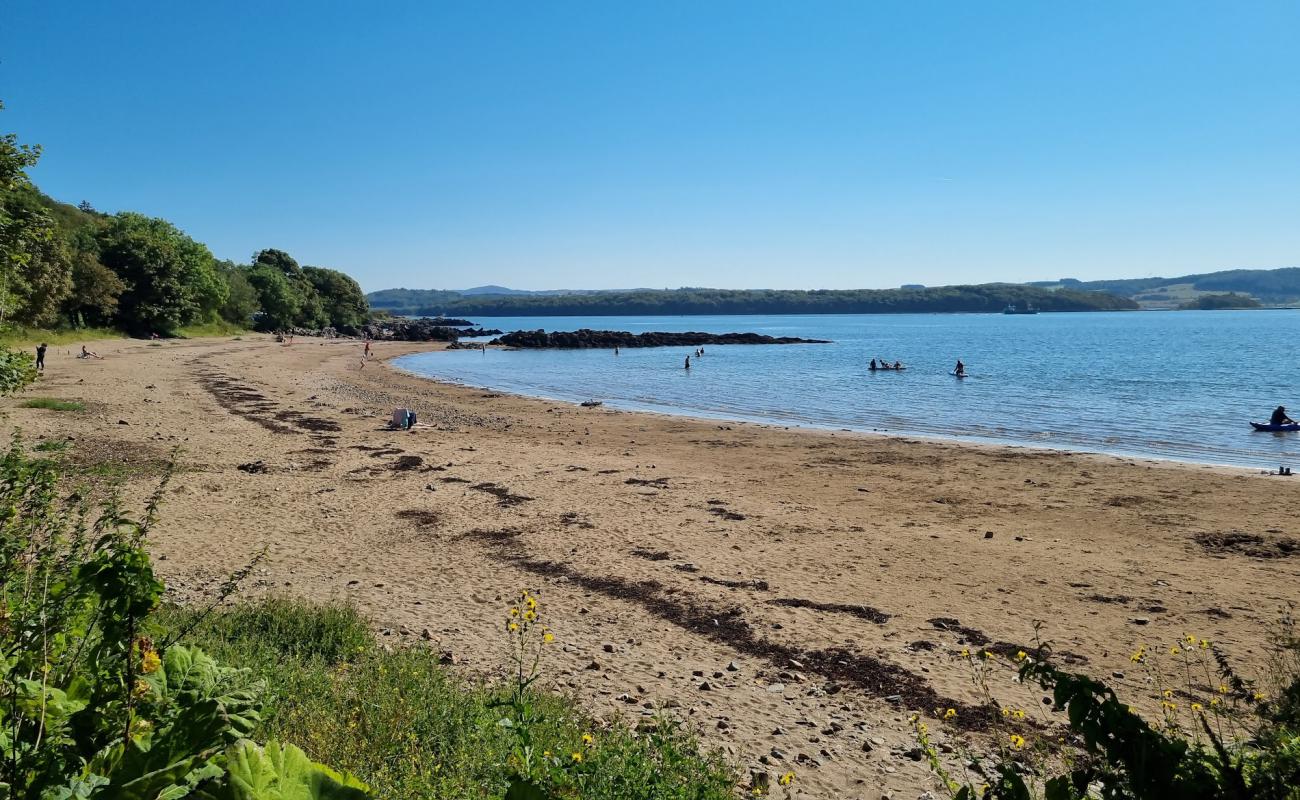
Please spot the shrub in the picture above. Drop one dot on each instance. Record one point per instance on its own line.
(94, 706)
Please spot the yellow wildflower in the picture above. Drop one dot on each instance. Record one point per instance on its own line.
(548, 637)
(529, 616)
(140, 690)
(1017, 740)
(532, 604)
(786, 779)
(514, 626)
(1006, 712)
(1139, 655)
(514, 612)
(1205, 644)
(1191, 639)
(1169, 693)
(1259, 697)
(576, 756)
(1214, 701)
(965, 652)
(150, 662)
(950, 713)
(1018, 714)
(1223, 689)
(1021, 655)
(588, 739)
(1196, 706)
(1175, 650)
(987, 654)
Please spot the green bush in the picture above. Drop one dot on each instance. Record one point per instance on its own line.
(94, 706)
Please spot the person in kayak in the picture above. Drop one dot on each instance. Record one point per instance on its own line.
(1280, 418)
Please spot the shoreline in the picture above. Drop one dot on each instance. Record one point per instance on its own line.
(636, 530)
(933, 438)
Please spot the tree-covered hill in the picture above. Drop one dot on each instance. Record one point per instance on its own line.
(72, 266)
(985, 298)
(1269, 286)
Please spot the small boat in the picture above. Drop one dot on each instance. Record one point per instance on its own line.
(1268, 426)
(1014, 309)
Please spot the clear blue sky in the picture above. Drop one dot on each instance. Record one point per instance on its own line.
(734, 144)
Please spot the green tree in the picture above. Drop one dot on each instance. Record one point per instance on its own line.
(309, 311)
(341, 297)
(241, 298)
(33, 260)
(95, 289)
(280, 300)
(171, 280)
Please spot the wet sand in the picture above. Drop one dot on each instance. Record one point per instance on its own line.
(793, 594)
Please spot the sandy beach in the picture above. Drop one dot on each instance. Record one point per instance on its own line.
(793, 594)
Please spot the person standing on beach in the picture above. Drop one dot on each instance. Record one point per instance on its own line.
(367, 353)
(40, 357)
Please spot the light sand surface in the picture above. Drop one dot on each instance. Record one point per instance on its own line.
(667, 549)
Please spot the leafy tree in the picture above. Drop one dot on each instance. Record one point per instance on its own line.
(241, 298)
(171, 280)
(95, 289)
(280, 300)
(33, 261)
(309, 310)
(343, 302)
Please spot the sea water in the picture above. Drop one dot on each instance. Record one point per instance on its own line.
(1177, 384)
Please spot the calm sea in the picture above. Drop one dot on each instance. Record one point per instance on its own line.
(1180, 385)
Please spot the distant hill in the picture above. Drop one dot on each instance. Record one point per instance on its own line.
(1268, 286)
(984, 298)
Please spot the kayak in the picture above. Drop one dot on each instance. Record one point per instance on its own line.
(1268, 426)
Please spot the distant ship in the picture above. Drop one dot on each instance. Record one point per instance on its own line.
(1013, 309)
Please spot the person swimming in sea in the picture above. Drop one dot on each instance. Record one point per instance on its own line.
(1280, 418)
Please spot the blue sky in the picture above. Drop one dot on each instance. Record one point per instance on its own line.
(732, 144)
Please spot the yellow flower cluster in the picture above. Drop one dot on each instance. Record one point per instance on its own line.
(150, 662)
(786, 779)
(1017, 741)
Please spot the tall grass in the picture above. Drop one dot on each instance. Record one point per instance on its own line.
(410, 728)
(52, 404)
(25, 338)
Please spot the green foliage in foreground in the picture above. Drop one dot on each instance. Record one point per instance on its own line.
(1234, 742)
(52, 404)
(410, 729)
(92, 706)
(17, 369)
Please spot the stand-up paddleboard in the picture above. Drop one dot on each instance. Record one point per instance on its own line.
(1268, 426)
(960, 374)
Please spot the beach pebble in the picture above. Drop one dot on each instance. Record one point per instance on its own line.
(1141, 621)
(706, 686)
(776, 688)
(594, 665)
(731, 667)
(608, 647)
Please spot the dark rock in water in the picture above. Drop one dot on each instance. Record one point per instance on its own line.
(588, 338)
(403, 330)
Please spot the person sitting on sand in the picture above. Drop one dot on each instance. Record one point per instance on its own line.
(1280, 418)
(88, 354)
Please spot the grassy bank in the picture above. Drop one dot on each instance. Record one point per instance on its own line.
(18, 337)
(411, 728)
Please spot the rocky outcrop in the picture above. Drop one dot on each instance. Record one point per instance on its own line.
(586, 337)
(421, 330)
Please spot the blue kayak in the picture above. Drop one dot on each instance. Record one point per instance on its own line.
(1268, 426)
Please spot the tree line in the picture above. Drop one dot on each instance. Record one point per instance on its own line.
(984, 298)
(73, 266)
